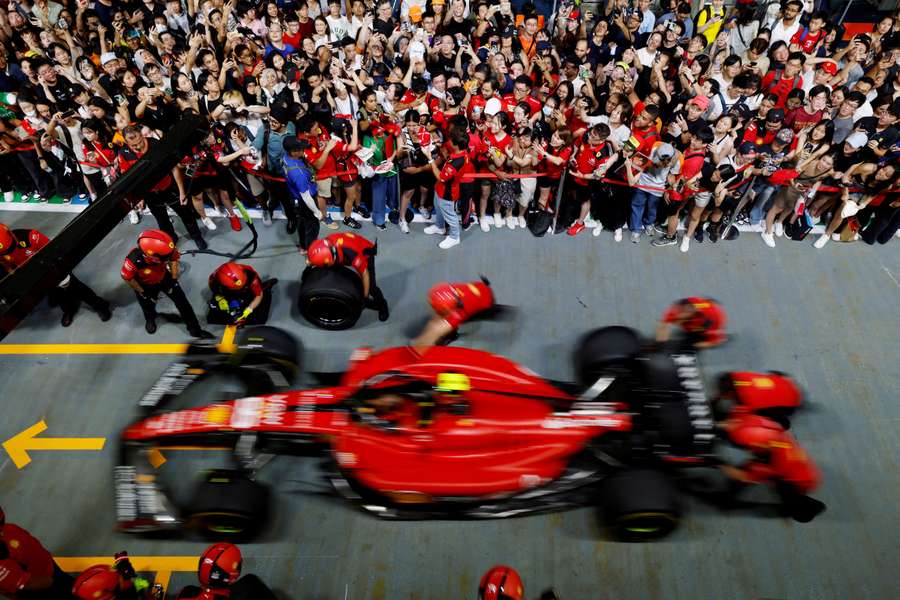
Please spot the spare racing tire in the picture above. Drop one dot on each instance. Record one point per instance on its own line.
(639, 504)
(331, 298)
(269, 346)
(228, 506)
(604, 350)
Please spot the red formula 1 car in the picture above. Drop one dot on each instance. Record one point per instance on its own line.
(453, 433)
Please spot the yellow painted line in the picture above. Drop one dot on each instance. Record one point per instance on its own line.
(161, 566)
(18, 446)
(19, 349)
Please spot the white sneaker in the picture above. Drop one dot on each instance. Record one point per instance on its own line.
(820, 243)
(685, 243)
(779, 229)
(404, 226)
(433, 229)
(448, 242)
(617, 234)
(836, 237)
(133, 217)
(768, 238)
(522, 222)
(9, 196)
(511, 222)
(208, 223)
(486, 219)
(597, 230)
(590, 223)
(498, 220)
(484, 225)
(214, 212)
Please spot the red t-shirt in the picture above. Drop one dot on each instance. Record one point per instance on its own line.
(807, 40)
(28, 241)
(128, 157)
(453, 176)
(782, 86)
(588, 158)
(495, 145)
(556, 171)
(798, 118)
(314, 151)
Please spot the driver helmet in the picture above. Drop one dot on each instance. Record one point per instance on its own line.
(96, 583)
(220, 565)
(7, 239)
(444, 299)
(321, 253)
(156, 245)
(501, 583)
(231, 276)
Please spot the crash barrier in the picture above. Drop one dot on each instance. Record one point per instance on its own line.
(26, 286)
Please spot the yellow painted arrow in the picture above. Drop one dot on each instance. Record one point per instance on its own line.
(18, 446)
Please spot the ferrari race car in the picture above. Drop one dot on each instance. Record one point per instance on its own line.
(451, 433)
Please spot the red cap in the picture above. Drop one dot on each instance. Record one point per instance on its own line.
(829, 67)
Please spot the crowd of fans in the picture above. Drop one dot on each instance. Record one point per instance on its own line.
(468, 112)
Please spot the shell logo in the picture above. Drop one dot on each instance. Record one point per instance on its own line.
(218, 414)
(763, 382)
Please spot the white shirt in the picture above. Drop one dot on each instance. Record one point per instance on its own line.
(646, 57)
(782, 33)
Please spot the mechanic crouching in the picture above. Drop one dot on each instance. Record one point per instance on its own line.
(355, 251)
(776, 458)
(702, 320)
(114, 582)
(152, 268)
(219, 572)
(239, 296)
(453, 304)
(27, 570)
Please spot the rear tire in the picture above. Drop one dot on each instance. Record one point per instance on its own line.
(604, 350)
(331, 298)
(228, 506)
(640, 504)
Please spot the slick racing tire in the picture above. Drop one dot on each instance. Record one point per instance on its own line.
(604, 350)
(331, 298)
(228, 506)
(264, 345)
(639, 504)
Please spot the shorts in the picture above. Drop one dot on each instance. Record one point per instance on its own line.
(526, 190)
(324, 187)
(414, 181)
(346, 184)
(786, 198)
(701, 199)
(545, 182)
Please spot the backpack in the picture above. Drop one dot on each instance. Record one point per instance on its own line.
(708, 10)
(538, 219)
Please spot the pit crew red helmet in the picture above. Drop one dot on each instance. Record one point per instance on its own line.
(220, 565)
(321, 253)
(7, 239)
(96, 583)
(444, 299)
(156, 245)
(231, 276)
(501, 583)
(754, 432)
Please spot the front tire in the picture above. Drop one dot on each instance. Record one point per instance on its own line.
(228, 506)
(604, 351)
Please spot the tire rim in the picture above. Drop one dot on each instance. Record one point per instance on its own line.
(222, 523)
(647, 523)
(327, 310)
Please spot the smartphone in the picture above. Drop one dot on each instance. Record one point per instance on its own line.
(119, 98)
(67, 115)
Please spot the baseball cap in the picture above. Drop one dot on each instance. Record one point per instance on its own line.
(508, 31)
(492, 107)
(785, 135)
(441, 2)
(700, 101)
(857, 140)
(747, 148)
(829, 67)
(543, 46)
(775, 114)
(664, 151)
(415, 13)
(107, 57)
